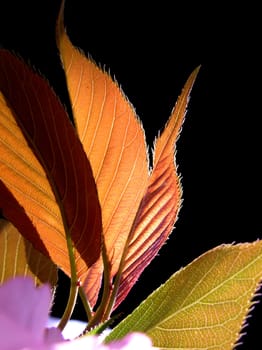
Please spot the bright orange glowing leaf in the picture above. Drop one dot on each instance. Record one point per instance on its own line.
(47, 187)
(139, 207)
(114, 142)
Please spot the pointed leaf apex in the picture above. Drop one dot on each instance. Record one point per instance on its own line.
(60, 21)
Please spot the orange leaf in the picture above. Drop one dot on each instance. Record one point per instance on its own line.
(139, 209)
(161, 203)
(46, 180)
(114, 142)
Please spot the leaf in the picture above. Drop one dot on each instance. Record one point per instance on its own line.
(138, 211)
(114, 142)
(204, 305)
(19, 258)
(160, 206)
(47, 187)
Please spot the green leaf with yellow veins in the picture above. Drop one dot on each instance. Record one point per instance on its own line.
(204, 305)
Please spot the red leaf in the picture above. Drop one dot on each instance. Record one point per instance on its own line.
(44, 153)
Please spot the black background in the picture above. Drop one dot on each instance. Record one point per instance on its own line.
(151, 51)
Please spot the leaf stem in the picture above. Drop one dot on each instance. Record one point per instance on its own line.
(118, 276)
(74, 283)
(99, 315)
(117, 279)
(70, 306)
(85, 303)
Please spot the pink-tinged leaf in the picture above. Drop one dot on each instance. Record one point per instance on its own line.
(47, 184)
(114, 142)
(19, 258)
(160, 206)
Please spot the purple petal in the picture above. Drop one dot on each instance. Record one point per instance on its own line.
(13, 336)
(24, 311)
(53, 335)
(29, 306)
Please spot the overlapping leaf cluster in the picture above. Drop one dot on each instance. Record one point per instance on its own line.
(81, 197)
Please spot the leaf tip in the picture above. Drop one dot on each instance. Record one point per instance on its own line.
(60, 27)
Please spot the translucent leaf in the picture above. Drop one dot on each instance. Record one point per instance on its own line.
(160, 206)
(114, 142)
(139, 209)
(205, 304)
(19, 258)
(47, 184)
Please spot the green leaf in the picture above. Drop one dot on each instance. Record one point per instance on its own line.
(204, 305)
(19, 258)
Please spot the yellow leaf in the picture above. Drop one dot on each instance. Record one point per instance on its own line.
(19, 258)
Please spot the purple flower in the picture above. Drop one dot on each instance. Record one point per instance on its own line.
(24, 312)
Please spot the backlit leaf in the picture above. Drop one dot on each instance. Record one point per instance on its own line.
(19, 258)
(160, 206)
(114, 142)
(139, 206)
(46, 184)
(204, 305)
